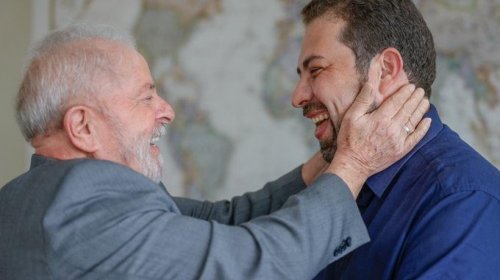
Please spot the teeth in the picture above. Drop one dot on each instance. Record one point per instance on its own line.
(320, 118)
(157, 134)
(155, 139)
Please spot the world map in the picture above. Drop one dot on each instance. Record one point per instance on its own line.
(228, 69)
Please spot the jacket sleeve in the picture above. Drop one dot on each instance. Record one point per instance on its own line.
(248, 206)
(107, 222)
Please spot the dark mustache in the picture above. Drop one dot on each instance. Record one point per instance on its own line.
(312, 107)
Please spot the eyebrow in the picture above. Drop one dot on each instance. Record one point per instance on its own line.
(307, 61)
(147, 87)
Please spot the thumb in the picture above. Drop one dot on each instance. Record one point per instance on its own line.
(363, 102)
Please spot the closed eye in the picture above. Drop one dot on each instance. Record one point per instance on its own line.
(314, 71)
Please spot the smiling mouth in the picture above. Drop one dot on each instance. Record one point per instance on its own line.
(154, 140)
(321, 121)
(320, 118)
(157, 134)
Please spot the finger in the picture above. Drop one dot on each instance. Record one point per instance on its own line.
(417, 135)
(406, 111)
(362, 103)
(419, 113)
(395, 102)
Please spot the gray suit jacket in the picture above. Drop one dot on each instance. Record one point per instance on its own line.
(89, 219)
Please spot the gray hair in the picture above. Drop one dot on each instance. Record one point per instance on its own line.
(59, 71)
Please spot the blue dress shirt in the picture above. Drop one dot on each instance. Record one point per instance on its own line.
(435, 214)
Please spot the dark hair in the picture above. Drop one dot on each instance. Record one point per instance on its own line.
(375, 25)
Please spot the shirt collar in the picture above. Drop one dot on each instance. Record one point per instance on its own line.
(379, 182)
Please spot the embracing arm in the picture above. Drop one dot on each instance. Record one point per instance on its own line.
(251, 205)
(248, 206)
(254, 204)
(101, 225)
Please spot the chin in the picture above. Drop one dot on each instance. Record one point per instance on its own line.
(328, 151)
(328, 148)
(327, 156)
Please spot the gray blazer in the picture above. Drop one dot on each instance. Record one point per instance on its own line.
(89, 219)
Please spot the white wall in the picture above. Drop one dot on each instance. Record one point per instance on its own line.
(15, 36)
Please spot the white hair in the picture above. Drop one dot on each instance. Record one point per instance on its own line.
(60, 70)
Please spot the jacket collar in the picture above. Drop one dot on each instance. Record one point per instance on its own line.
(37, 160)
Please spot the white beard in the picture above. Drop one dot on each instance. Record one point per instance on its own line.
(137, 150)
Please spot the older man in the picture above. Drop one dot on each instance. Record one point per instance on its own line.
(435, 214)
(91, 207)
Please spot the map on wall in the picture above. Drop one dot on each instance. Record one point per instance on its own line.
(228, 69)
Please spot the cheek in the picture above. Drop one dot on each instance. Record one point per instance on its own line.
(327, 93)
(142, 119)
(338, 102)
(324, 91)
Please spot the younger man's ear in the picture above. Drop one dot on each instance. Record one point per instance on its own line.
(392, 72)
(79, 124)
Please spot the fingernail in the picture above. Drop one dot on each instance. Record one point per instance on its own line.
(412, 87)
(421, 92)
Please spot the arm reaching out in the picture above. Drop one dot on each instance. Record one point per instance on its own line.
(314, 167)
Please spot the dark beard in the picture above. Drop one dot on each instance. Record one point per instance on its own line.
(327, 152)
(328, 149)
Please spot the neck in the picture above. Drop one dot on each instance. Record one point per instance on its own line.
(56, 146)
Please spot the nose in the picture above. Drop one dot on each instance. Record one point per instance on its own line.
(165, 113)
(302, 94)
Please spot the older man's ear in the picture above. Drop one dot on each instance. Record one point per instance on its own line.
(80, 125)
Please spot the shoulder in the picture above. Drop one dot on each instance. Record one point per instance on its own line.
(457, 167)
(86, 170)
(76, 167)
(98, 167)
(52, 174)
(96, 186)
(82, 181)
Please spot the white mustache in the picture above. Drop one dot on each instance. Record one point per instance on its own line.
(159, 131)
